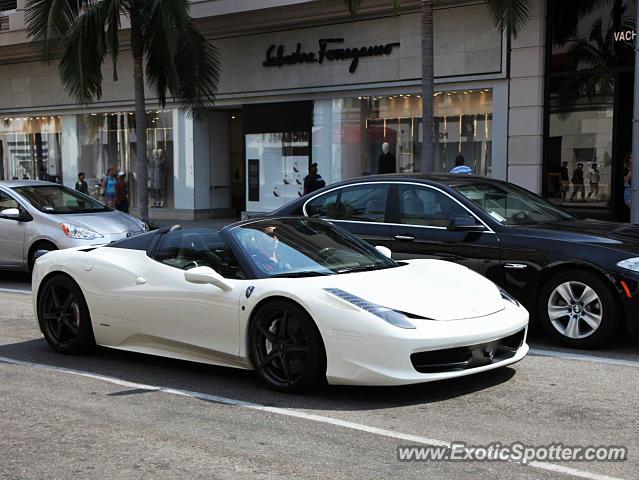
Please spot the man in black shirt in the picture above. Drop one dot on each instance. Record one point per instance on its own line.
(81, 186)
(313, 181)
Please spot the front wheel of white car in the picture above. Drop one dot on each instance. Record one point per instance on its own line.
(578, 309)
(286, 348)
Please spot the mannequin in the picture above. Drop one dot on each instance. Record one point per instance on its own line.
(157, 177)
(386, 160)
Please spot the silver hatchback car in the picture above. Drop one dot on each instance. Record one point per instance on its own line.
(36, 215)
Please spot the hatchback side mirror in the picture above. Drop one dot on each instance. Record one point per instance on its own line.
(204, 275)
(465, 223)
(11, 214)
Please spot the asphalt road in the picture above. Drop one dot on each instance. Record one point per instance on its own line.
(114, 415)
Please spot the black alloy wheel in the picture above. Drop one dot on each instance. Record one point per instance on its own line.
(286, 349)
(64, 316)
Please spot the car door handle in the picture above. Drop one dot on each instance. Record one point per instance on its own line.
(404, 238)
(140, 281)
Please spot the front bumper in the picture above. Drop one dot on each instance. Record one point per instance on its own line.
(397, 358)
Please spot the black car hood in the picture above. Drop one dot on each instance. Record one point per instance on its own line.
(620, 236)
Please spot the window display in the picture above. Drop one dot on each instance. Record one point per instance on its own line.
(30, 148)
(276, 164)
(370, 135)
(97, 143)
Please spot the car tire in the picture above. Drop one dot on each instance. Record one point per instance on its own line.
(288, 360)
(48, 246)
(578, 309)
(64, 317)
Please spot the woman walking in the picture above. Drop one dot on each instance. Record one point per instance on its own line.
(108, 186)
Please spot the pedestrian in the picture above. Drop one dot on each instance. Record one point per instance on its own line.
(122, 193)
(108, 186)
(593, 178)
(565, 180)
(460, 168)
(578, 183)
(627, 180)
(81, 186)
(313, 181)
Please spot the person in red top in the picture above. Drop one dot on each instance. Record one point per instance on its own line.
(122, 194)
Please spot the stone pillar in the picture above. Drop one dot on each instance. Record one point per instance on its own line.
(526, 106)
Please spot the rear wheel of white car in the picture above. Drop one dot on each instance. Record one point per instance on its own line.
(64, 316)
(286, 348)
(578, 309)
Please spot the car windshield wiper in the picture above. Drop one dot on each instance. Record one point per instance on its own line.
(365, 268)
(303, 273)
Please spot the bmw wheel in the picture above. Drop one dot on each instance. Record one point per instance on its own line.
(64, 316)
(578, 309)
(286, 348)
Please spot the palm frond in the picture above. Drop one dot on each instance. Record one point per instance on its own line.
(163, 20)
(49, 20)
(84, 51)
(198, 64)
(113, 10)
(509, 15)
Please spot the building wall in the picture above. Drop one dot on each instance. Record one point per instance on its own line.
(526, 105)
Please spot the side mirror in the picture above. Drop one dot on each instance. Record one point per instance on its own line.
(384, 251)
(465, 223)
(11, 214)
(204, 275)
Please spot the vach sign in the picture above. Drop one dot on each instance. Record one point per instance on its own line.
(276, 55)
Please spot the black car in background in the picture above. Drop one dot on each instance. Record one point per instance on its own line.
(579, 278)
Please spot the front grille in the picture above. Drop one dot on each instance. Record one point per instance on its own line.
(472, 356)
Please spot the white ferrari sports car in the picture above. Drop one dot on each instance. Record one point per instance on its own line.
(299, 300)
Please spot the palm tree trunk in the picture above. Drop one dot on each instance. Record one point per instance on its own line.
(428, 157)
(141, 174)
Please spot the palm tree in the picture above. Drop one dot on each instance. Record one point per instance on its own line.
(509, 16)
(168, 52)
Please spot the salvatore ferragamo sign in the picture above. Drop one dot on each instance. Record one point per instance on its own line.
(277, 56)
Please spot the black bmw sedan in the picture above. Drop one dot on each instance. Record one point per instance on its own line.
(579, 277)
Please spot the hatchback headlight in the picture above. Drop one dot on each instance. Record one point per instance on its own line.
(630, 264)
(73, 231)
(391, 316)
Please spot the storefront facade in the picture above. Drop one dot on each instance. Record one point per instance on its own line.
(293, 91)
(589, 98)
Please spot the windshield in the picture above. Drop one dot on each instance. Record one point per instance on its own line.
(511, 205)
(305, 248)
(58, 199)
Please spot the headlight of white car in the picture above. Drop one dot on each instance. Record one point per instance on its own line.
(391, 316)
(630, 264)
(73, 231)
(508, 297)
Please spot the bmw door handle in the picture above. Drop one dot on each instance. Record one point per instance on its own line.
(404, 238)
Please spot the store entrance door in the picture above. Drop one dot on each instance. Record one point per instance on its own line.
(277, 146)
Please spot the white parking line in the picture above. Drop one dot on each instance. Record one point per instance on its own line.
(584, 357)
(404, 437)
(15, 290)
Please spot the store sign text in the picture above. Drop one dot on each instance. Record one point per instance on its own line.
(276, 55)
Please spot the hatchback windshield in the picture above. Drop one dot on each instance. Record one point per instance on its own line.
(511, 205)
(304, 248)
(59, 199)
